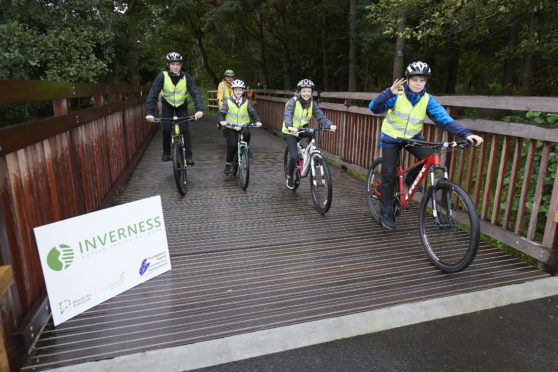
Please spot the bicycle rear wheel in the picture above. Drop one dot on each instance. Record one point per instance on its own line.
(244, 168)
(373, 182)
(320, 184)
(179, 167)
(450, 236)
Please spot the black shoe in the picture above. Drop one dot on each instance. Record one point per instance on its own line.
(387, 223)
(290, 183)
(250, 155)
(165, 157)
(190, 162)
(228, 170)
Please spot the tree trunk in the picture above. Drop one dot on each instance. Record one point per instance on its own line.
(260, 57)
(325, 82)
(196, 30)
(509, 63)
(398, 62)
(529, 63)
(451, 80)
(352, 46)
(133, 37)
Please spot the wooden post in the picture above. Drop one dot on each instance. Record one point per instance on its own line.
(6, 280)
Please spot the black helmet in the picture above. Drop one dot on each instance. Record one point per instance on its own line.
(305, 83)
(418, 68)
(174, 57)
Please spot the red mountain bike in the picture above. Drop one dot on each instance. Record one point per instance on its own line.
(447, 219)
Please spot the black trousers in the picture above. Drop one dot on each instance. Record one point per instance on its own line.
(390, 156)
(292, 140)
(231, 137)
(168, 112)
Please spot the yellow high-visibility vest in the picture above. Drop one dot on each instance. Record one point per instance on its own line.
(301, 116)
(404, 119)
(175, 95)
(237, 115)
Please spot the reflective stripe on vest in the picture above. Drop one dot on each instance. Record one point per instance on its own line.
(174, 95)
(301, 117)
(227, 91)
(237, 115)
(404, 119)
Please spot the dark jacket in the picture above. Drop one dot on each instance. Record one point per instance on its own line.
(158, 85)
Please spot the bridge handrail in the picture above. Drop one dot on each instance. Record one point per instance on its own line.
(59, 167)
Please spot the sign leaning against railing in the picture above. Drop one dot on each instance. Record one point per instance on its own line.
(91, 258)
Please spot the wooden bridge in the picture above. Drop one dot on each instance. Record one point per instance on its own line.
(241, 260)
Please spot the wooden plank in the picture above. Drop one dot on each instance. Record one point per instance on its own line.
(489, 177)
(500, 181)
(20, 91)
(531, 131)
(518, 148)
(545, 104)
(543, 167)
(550, 227)
(6, 279)
(525, 186)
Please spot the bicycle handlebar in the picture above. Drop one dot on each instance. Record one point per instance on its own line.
(176, 119)
(312, 130)
(249, 125)
(415, 142)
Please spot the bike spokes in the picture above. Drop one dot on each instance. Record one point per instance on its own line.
(320, 184)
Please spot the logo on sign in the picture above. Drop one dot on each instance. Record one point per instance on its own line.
(60, 258)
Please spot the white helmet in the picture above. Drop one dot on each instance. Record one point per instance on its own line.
(305, 83)
(418, 68)
(238, 84)
(174, 57)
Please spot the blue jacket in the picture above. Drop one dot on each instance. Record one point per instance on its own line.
(436, 112)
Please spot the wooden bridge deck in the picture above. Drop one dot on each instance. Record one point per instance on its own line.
(256, 259)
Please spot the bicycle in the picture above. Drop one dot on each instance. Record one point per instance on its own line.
(310, 159)
(241, 159)
(178, 152)
(444, 210)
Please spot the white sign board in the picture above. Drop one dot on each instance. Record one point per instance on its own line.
(88, 259)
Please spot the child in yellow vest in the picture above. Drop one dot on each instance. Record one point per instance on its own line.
(298, 111)
(236, 110)
(408, 105)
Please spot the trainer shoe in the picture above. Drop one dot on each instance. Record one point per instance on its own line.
(228, 171)
(190, 162)
(387, 222)
(290, 183)
(165, 157)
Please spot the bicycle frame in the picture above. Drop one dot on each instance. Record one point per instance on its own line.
(304, 164)
(429, 165)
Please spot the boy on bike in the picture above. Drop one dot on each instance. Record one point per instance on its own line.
(175, 84)
(408, 104)
(299, 109)
(236, 110)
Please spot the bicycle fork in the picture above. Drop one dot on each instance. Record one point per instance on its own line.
(445, 200)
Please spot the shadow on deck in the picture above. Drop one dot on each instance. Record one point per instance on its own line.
(250, 260)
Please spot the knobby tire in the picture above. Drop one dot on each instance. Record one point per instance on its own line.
(244, 169)
(450, 245)
(179, 167)
(320, 184)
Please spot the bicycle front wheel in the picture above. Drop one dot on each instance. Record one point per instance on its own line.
(320, 184)
(449, 226)
(373, 182)
(244, 166)
(179, 167)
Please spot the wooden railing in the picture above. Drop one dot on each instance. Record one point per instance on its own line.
(59, 167)
(507, 177)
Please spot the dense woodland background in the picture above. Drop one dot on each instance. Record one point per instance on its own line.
(494, 47)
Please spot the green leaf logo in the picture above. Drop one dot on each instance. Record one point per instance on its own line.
(60, 258)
